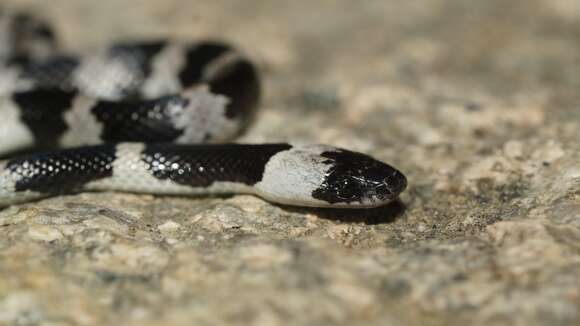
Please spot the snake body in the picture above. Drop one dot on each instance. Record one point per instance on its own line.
(146, 117)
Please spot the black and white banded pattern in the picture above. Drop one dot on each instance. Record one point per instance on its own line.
(145, 117)
(167, 96)
(306, 175)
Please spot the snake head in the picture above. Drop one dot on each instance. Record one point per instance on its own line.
(358, 180)
(324, 176)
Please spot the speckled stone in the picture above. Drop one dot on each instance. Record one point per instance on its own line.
(476, 101)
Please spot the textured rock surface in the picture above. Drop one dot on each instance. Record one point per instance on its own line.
(478, 102)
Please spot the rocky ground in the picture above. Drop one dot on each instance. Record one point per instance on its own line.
(477, 102)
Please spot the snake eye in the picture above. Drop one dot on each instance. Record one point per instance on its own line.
(348, 189)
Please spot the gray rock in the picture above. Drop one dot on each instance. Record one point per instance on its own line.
(477, 102)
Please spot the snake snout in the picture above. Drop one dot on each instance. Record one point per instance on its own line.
(395, 182)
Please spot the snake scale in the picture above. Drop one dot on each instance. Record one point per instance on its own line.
(152, 117)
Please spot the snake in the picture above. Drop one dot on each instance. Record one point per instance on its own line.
(156, 117)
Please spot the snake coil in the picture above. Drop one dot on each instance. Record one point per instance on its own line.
(149, 117)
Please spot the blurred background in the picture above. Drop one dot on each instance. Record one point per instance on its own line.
(477, 102)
